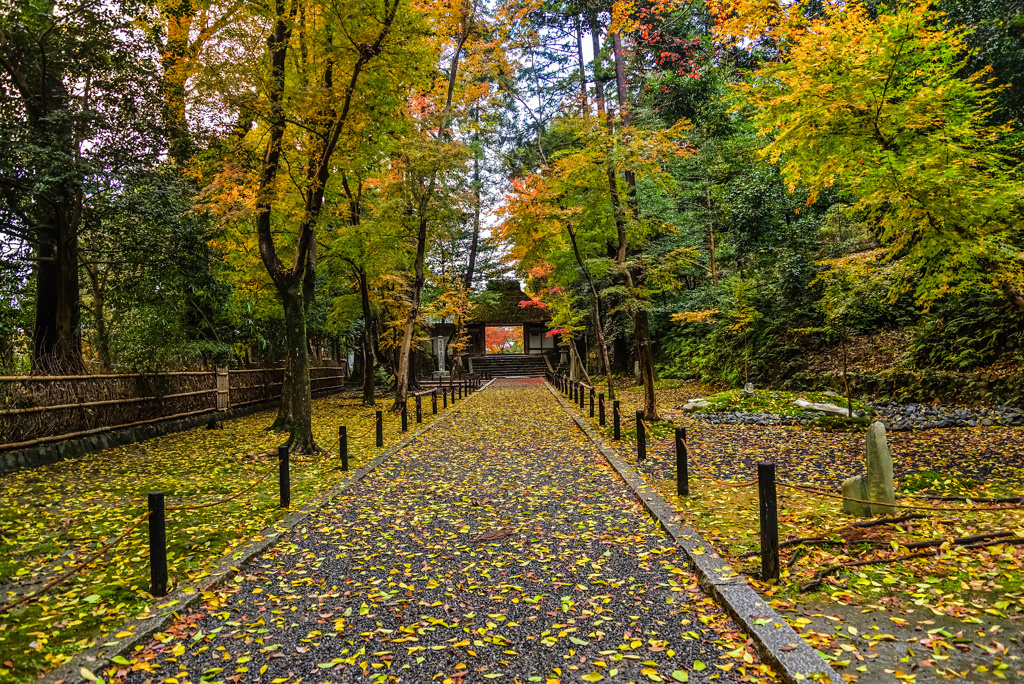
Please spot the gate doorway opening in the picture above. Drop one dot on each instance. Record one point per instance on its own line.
(503, 339)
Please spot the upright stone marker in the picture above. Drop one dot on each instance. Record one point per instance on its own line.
(876, 486)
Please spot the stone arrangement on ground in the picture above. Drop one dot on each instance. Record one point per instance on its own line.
(502, 546)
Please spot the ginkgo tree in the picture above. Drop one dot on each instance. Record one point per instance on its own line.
(884, 108)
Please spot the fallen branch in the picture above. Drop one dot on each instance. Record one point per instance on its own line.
(959, 541)
(822, 574)
(1016, 541)
(826, 540)
(983, 499)
(888, 521)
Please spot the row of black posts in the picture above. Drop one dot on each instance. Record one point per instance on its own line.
(768, 505)
(157, 513)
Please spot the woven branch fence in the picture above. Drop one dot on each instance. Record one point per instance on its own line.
(39, 409)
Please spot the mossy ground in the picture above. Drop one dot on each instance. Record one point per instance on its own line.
(53, 517)
(982, 590)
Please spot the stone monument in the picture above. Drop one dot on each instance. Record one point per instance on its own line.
(440, 349)
(876, 486)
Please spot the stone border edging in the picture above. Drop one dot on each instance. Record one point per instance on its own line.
(776, 642)
(143, 628)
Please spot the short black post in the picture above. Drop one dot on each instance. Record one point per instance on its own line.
(615, 420)
(591, 402)
(641, 437)
(405, 415)
(433, 401)
(600, 409)
(769, 521)
(380, 428)
(444, 397)
(419, 409)
(460, 390)
(343, 446)
(284, 478)
(583, 397)
(682, 472)
(157, 545)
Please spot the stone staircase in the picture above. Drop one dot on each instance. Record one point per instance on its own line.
(508, 365)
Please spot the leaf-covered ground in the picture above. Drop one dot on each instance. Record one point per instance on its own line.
(52, 518)
(952, 615)
(502, 547)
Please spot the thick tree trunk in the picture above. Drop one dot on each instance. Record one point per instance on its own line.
(57, 338)
(295, 414)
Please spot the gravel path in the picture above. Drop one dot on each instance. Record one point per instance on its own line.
(498, 547)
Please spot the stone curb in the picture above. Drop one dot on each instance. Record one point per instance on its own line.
(776, 642)
(143, 628)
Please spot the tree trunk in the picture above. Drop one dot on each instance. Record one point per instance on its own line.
(369, 368)
(176, 56)
(598, 327)
(57, 338)
(295, 414)
(641, 326)
(583, 71)
(711, 244)
(473, 245)
(99, 318)
(402, 377)
(402, 373)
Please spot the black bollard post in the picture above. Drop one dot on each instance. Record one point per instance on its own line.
(615, 420)
(461, 385)
(573, 391)
(769, 521)
(600, 409)
(591, 402)
(682, 473)
(419, 409)
(343, 446)
(157, 545)
(444, 397)
(405, 415)
(284, 478)
(380, 428)
(583, 397)
(641, 437)
(433, 401)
